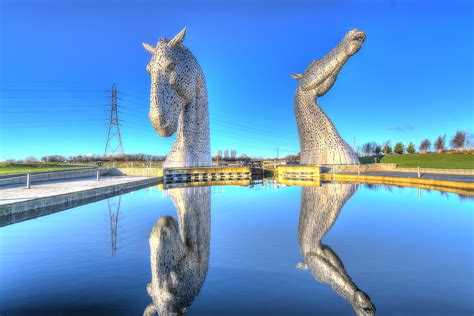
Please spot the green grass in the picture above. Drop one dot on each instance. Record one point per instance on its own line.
(17, 168)
(445, 161)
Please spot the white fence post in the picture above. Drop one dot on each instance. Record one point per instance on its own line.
(419, 176)
(97, 175)
(28, 181)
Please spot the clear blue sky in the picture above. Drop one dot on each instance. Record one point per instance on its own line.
(411, 79)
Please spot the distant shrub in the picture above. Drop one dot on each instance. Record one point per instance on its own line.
(411, 148)
(399, 148)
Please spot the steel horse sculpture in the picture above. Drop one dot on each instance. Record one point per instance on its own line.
(319, 140)
(178, 102)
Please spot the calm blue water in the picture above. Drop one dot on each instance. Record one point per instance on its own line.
(338, 249)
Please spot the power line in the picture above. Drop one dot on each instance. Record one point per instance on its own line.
(233, 125)
(53, 105)
(224, 143)
(50, 126)
(52, 97)
(52, 121)
(51, 111)
(130, 95)
(51, 90)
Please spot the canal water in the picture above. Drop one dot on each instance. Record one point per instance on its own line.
(334, 249)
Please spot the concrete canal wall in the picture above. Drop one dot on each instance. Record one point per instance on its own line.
(376, 167)
(298, 172)
(381, 173)
(390, 167)
(32, 208)
(461, 187)
(139, 172)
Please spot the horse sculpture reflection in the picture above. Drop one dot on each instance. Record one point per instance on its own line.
(178, 102)
(319, 140)
(320, 207)
(179, 253)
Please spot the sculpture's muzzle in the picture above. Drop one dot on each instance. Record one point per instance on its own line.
(353, 41)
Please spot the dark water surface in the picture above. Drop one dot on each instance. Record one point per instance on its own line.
(338, 249)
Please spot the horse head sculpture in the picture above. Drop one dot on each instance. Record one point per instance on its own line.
(178, 101)
(320, 141)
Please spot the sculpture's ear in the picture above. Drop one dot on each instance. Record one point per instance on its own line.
(178, 39)
(296, 76)
(149, 48)
(148, 289)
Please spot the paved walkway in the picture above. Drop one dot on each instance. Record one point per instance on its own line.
(449, 177)
(18, 193)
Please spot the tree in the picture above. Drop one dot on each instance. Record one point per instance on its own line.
(425, 145)
(440, 143)
(411, 148)
(378, 149)
(399, 148)
(459, 140)
(367, 148)
(31, 159)
(387, 149)
(292, 159)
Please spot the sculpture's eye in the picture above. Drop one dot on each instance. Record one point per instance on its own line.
(171, 67)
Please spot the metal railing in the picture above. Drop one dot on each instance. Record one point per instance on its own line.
(29, 178)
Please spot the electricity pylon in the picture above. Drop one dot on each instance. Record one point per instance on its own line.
(113, 136)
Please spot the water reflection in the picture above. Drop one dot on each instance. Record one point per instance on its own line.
(179, 253)
(320, 207)
(114, 211)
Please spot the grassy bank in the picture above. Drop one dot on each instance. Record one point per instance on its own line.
(16, 168)
(445, 161)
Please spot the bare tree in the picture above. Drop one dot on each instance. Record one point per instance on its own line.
(31, 159)
(458, 141)
(425, 145)
(439, 143)
(367, 148)
(470, 141)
